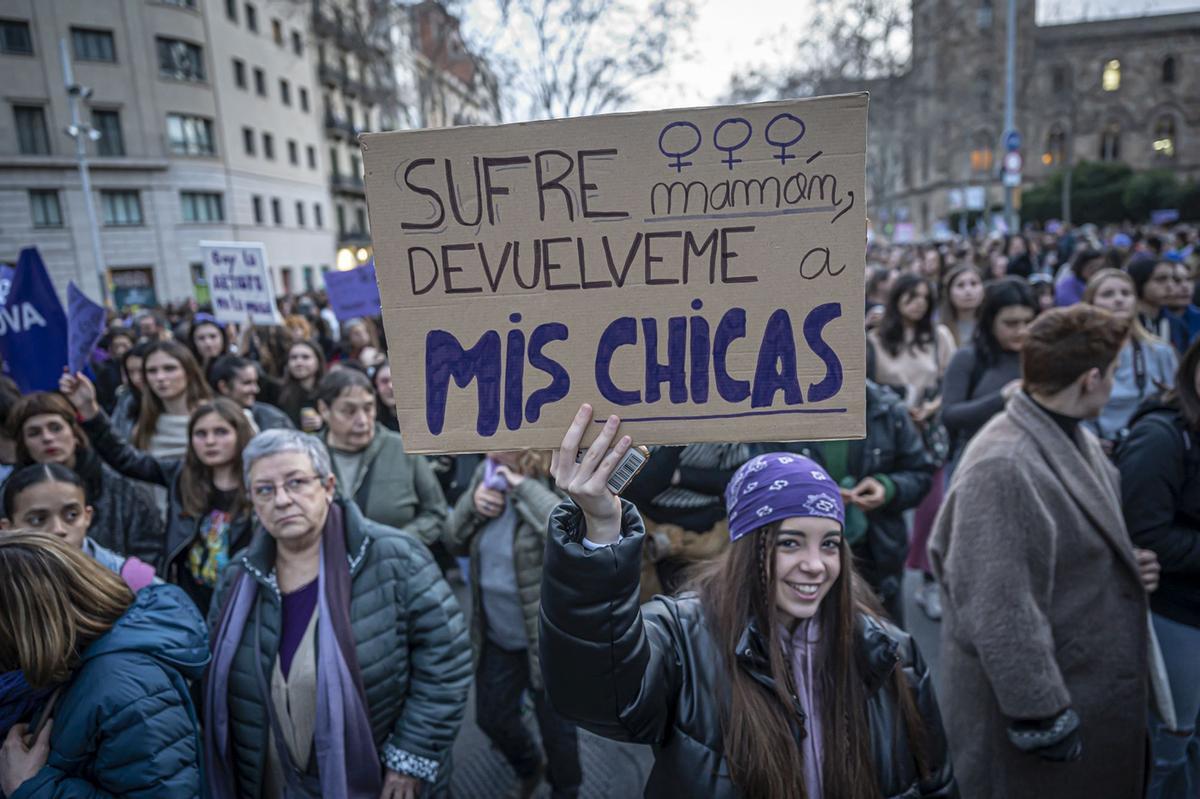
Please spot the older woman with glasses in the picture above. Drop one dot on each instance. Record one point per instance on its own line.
(341, 661)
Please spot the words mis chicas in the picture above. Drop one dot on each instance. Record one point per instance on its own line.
(534, 228)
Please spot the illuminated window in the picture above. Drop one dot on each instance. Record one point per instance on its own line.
(1056, 147)
(1110, 142)
(1164, 137)
(981, 153)
(1110, 79)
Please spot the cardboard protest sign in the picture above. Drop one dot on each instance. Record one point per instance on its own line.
(353, 293)
(85, 326)
(697, 271)
(239, 282)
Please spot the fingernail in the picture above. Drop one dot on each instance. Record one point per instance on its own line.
(612, 420)
(626, 441)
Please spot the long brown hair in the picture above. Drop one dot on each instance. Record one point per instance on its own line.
(196, 486)
(757, 724)
(293, 391)
(56, 601)
(152, 406)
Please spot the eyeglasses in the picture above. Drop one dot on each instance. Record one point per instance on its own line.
(293, 487)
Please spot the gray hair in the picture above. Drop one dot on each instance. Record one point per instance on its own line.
(274, 442)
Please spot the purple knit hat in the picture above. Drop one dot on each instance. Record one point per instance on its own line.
(777, 486)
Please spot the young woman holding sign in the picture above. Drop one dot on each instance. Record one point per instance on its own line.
(777, 678)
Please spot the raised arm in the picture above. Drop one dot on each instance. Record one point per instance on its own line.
(116, 451)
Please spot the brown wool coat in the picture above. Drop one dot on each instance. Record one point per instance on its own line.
(1044, 609)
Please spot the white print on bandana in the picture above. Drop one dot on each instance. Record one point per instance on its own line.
(821, 505)
(753, 484)
(818, 475)
(763, 511)
(779, 485)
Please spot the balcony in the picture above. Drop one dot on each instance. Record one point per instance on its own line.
(338, 126)
(347, 184)
(330, 75)
(353, 238)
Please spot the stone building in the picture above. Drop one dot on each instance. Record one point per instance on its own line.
(234, 120)
(1123, 90)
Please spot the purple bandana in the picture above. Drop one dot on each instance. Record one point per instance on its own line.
(777, 486)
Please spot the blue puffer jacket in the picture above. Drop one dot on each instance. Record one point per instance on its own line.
(125, 725)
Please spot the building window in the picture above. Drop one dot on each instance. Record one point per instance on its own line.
(251, 18)
(983, 89)
(1110, 142)
(202, 206)
(121, 208)
(312, 156)
(239, 73)
(45, 208)
(984, 16)
(1060, 79)
(1110, 78)
(333, 161)
(341, 220)
(111, 143)
(260, 82)
(285, 279)
(231, 10)
(190, 135)
(293, 152)
(276, 211)
(308, 278)
(285, 92)
(355, 167)
(318, 218)
(1056, 147)
(248, 140)
(181, 3)
(981, 153)
(360, 219)
(277, 32)
(1164, 137)
(180, 60)
(32, 138)
(297, 43)
(299, 213)
(304, 99)
(268, 146)
(256, 202)
(15, 38)
(89, 44)
(1168, 69)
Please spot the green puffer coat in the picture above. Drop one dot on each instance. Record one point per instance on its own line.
(533, 500)
(412, 648)
(395, 488)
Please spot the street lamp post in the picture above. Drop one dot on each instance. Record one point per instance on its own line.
(83, 132)
(1010, 80)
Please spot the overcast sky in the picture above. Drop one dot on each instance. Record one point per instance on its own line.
(732, 34)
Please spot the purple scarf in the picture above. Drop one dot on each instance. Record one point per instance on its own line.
(802, 644)
(347, 759)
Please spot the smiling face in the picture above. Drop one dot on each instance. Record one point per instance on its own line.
(52, 507)
(165, 376)
(807, 565)
(49, 439)
(302, 363)
(242, 388)
(1115, 295)
(214, 440)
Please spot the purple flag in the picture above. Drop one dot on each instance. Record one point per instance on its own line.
(353, 293)
(32, 326)
(85, 326)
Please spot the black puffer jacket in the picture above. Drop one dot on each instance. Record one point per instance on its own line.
(893, 448)
(652, 675)
(1160, 495)
(125, 518)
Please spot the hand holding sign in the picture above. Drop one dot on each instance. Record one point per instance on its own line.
(586, 482)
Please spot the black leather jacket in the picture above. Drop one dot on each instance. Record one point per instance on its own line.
(651, 674)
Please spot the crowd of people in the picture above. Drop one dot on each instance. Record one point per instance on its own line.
(225, 576)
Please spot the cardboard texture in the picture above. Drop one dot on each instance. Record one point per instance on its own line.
(239, 282)
(697, 271)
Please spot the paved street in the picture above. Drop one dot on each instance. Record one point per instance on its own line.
(610, 770)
